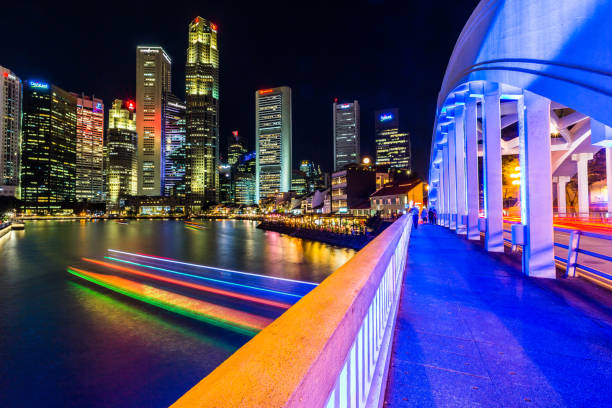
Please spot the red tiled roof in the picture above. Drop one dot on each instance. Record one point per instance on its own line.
(396, 188)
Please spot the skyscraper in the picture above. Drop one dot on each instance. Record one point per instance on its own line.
(174, 124)
(346, 134)
(235, 149)
(153, 67)
(48, 171)
(244, 180)
(273, 136)
(202, 115)
(121, 147)
(89, 148)
(392, 146)
(10, 132)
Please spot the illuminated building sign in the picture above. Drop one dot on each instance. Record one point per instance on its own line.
(265, 91)
(98, 106)
(39, 85)
(213, 26)
(385, 117)
(345, 106)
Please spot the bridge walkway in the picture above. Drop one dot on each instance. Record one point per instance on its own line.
(473, 331)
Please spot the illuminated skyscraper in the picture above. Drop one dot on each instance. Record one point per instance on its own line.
(202, 116)
(346, 134)
(10, 132)
(392, 146)
(89, 148)
(235, 149)
(121, 147)
(273, 141)
(174, 123)
(244, 180)
(153, 68)
(48, 171)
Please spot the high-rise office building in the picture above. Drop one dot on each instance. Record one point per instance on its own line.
(314, 176)
(392, 146)
(346, 134)
(10, 132)
(174, 123)
(244, 180)
(153, 68)
(122, 154)
(202, 115)
(235, 149)
(48, 171)
(89, 148)
(273, 137)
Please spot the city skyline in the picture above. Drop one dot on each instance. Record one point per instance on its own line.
(334, 75)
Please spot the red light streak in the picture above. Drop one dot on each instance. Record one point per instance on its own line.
(191, 285)
(265, 91)
(211, 313)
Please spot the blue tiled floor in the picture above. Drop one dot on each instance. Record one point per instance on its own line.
(472, 331)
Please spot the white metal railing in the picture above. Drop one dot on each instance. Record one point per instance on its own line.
(331, 349)
(361, 383)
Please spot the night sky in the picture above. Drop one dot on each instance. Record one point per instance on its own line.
(383, 53)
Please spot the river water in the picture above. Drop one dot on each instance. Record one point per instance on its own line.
(67, 342)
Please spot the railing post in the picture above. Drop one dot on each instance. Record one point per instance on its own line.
(572, 254)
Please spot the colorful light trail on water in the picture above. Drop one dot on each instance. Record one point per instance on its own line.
(204, 278)
(190, 285)
(174, 261)
(235, 320)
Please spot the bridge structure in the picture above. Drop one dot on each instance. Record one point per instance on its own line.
(526, 78)
(422, 317)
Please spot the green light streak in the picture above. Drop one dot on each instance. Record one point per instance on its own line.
(215, 321)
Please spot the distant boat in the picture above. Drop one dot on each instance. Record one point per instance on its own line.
(17, 225)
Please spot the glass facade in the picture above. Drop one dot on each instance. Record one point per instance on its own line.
(175, 159)
(273, 141)
(202, 113)
(244, 180)
(10, 132)
(121, 147)
(90, 148)
(346, 134)
(392, 146)
(48, 173)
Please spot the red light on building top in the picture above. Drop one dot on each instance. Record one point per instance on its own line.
(235, 133)
(213, 26)
(5, 74)
(131, 106)
(197, 20)
(265, 91)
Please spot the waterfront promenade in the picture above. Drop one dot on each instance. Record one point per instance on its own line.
(473, 331)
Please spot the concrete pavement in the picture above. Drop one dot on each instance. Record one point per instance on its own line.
(473, 331)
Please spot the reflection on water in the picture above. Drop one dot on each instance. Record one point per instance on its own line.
(68, 343)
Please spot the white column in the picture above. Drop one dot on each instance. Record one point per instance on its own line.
(494, 239)
(536, 185)
(609, 178)
(460, 167)
(471, 161)
(440, 200)
(561, 194)
(452, 177)
(446, 187)
(582, 164)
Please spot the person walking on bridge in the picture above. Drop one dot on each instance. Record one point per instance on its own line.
(415, 217)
